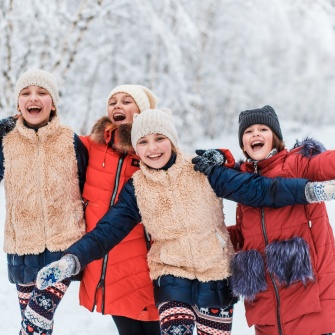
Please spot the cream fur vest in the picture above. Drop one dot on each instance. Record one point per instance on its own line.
(186, 222)
(43, 201)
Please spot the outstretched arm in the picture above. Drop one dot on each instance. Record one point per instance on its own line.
(110, 230)
(255, 190)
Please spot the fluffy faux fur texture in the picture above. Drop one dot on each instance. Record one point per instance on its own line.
(184, 218)
(289, 261)
(41, 212)
(104, 124)
(118, 137)
(248, 277)
(309, 147)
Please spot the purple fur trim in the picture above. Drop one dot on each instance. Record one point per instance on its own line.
(248, 276)
(310, 147)
(290, 261)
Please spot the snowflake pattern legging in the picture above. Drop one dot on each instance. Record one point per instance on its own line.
(38, 307)
(177, 318)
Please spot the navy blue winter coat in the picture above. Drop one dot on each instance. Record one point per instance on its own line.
(250, 189)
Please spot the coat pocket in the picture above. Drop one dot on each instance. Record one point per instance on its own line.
(290, 261)
(248, 274)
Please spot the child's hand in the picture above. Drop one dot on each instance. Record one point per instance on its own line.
(7, 124)
(320, 191)
(57, 271)
(207, 159)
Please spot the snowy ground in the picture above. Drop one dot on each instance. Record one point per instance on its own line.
(72, 319)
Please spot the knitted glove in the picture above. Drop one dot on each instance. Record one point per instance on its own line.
(320, 191)
(207, 159)
(7, 124)
(55, 272)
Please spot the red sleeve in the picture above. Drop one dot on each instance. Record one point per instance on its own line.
(235, 234)
(230, 161)
(86, 140)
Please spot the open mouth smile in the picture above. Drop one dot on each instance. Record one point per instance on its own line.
(34, 109)
(155, 156)
(118, 117)
(257, 145)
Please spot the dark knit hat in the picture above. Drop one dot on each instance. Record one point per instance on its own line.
(265, 115)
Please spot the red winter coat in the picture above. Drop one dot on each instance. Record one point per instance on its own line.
(300, 235)
(119, 284)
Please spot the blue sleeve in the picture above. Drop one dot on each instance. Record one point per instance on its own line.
(82, 160)
(112, 228)
(255, 190)
(6, 125)
(2, 167)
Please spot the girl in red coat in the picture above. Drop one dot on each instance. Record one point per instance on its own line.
(118, 284)
(285, 265)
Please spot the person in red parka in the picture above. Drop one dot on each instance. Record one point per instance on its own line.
(285, 261)
(119, 284)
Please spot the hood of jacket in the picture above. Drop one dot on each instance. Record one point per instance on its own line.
(116, 136)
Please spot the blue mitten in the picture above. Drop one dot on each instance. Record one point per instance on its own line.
(320, 191)
(55, 272)
(207, 159)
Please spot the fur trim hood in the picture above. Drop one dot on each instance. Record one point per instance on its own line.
(309, 147)
(118, 137)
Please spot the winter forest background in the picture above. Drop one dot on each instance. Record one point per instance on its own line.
(206, 60)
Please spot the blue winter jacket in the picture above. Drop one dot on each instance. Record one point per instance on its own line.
(246, 188)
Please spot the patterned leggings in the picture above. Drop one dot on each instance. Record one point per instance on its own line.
(179, 318)
(38, 307)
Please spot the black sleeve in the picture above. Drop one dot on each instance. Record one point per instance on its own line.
(116, 224)
(82, 160)
(6, 125)
(257, 191)
(2, 161)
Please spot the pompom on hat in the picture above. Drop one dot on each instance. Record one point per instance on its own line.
(265, 115)
(144, 98)
(38, 78)
(154, 121)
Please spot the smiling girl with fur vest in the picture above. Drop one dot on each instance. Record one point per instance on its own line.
(189, 260)
(43, 164)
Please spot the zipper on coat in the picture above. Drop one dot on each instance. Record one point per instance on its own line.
(266, 240)
(101, 283)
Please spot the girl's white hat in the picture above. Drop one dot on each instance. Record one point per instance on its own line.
(154, 121)
(143, 97)
(38, 78)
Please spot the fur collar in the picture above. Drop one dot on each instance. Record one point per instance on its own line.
(118, 137)
(309, 147)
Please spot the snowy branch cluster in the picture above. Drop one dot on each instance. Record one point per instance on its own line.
(206, 60)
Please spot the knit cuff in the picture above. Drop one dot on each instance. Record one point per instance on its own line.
(309, 193)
